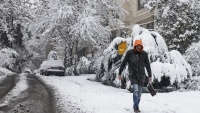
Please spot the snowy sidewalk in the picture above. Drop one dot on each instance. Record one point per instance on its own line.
(93, 97)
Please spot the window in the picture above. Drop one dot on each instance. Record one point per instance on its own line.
(150, 25)
(141, 4)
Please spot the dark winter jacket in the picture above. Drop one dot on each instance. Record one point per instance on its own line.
(137, 61)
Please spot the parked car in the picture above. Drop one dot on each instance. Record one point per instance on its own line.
(36, 71)
(27, 71)
(43, 67)
(55, 67)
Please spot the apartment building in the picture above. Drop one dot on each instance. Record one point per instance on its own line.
(136, 14)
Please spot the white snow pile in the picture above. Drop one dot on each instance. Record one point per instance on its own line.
(93, 97)
(8, 57)
(163, 62)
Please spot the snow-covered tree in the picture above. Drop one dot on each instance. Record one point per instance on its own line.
(82, 19)
(13, 17)
(9, 58)
(164, 63)
(13, 12)
(192, 55)
(177, 21)
(75, 22)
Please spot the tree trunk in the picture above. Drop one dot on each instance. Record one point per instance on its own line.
(76, 57)
(65, 54)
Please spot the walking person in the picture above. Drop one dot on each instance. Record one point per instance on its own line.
(137, 60)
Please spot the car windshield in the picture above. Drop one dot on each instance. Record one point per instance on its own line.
(42, 66)
(44, 63)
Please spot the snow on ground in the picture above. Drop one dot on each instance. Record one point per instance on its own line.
(3, 73)
(20, 86)
(93, 97)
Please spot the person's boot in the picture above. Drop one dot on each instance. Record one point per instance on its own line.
(135, 109)
(138, 110)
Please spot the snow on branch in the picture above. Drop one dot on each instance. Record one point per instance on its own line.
(163, 62)
(89, 27)
(8, 57)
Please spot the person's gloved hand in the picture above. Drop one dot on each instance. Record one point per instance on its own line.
(150, 79)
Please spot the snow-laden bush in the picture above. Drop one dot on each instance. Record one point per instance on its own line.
(192, 55)
(191, 84)
(83, 66)
(69, 71)
(164, 63)
(8, 58)
(99, 68)
(172, 65)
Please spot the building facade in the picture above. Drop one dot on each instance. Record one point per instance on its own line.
(136, 14)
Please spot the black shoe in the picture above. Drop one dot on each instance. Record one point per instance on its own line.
(136, 110)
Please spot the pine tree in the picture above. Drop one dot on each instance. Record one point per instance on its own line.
(177, 21)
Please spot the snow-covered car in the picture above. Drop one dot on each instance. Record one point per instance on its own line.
(43, 67)
(27, 71)
(36, 71)
(55, 67)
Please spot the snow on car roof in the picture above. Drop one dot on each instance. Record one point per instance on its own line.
(55, 63)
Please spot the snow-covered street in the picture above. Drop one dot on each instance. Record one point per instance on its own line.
(84, 56)
(93, 97)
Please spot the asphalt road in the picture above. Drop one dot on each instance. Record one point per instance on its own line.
(38, 98)
(7, 85)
